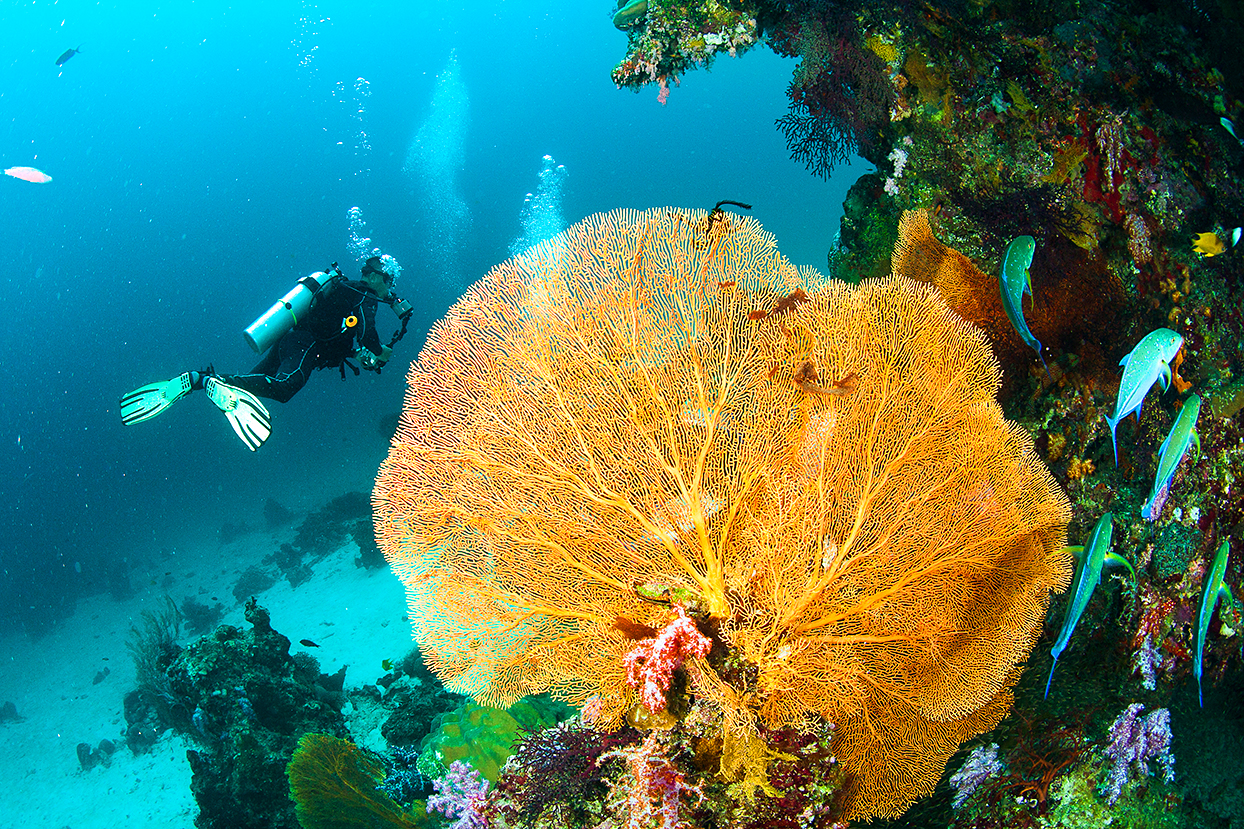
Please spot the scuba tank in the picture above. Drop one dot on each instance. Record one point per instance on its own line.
(289, 309)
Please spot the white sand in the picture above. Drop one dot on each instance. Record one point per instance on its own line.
(354, 615)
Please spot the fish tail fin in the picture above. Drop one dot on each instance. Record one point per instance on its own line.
(1113, 422)
(1041, 357)
(1200, 700)
(1051, 679)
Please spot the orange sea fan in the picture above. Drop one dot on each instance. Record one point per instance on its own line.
(969, 292)
(1074, 296)
(834, 486)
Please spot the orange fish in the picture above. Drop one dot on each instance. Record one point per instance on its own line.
(28, 174)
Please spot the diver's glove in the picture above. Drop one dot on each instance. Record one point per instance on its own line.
(248, 417)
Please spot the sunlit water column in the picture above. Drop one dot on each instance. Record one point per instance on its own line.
(540, 222)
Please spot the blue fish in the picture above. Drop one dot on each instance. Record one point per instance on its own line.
(1182, 435)
(1148, 363)
(1014, 281)
(1088, 575)
(67, 55)
(1229, 126)
(1215, 589)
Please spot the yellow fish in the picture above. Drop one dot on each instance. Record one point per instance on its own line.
(1208, 244)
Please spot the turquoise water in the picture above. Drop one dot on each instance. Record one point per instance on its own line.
(205, 155)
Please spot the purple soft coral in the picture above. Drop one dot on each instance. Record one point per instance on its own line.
(981, 764)
(1148, 661)
(460, 793)
(1134, 740)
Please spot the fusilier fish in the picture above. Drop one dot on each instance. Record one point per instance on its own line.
(1014, 280)
(1182, 435)
(1149, 362)
(1229, 126)
(28, 174)
(1215, 588)
(1088, 575)
(68, 53)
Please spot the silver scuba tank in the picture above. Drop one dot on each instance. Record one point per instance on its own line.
(288, 310)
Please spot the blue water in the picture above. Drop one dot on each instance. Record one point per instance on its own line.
(204, 155)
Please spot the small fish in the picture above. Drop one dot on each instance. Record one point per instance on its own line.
(1014, 281)
(1208, 244)
(1215, 589)
(1088, 574)
(1182, 435)
(386, 664)
(28, 174)
(1148, 362)
(67, 55)
(1229, 126)
(307, 643)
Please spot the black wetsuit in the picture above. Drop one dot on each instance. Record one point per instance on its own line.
(324, 339)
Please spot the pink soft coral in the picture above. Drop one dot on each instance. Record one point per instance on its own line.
(652, 662)
(657, 791)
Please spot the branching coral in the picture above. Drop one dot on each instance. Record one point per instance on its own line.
(562, 769)
(840, 96)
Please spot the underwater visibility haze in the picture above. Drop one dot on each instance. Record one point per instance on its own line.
(205, 158)
(773, 413)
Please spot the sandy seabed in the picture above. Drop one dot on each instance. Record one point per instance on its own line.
(354, 615)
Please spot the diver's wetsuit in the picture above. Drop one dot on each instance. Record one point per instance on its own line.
(322, 340)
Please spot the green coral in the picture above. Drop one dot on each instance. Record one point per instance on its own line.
(1177, 547)
(483, 736)
(1074, 803)
(1080, 807)
(334, 786)
(869, 230)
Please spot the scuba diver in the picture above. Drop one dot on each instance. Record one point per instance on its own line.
(322, 322)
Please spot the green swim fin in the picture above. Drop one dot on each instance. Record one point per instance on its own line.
(248, 417)
(147, 402)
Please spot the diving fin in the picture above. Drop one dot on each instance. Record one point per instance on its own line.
(147, 402)
(248, 417)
